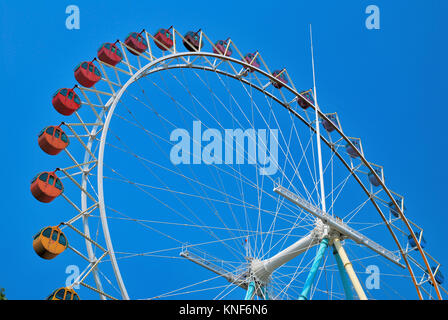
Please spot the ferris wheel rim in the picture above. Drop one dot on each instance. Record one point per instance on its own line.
(114, 100)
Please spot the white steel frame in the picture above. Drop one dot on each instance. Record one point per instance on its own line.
(101, 126)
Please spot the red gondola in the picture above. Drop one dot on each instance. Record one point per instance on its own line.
(164, 39)
(252, 59)
(394, 210)
(332, 124)
(66, 101)
(420, 240)
(353, 152)
(46, 186)
(53, 140)
(307, 100)
(192, 41)
(281, 76)
(110, 54)
(136, 41)
(438, 276)
(221, 47)
(373, 180)
(87, 74)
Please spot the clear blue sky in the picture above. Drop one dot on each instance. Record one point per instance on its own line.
(389, 87)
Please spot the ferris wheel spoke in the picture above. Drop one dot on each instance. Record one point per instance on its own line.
(144, 224)
(310, 222)
(241, 108)
(247, 180)
(225, 107)
(203, 226)
(160, 180)
(215, 120)
(291, 161)
(296, 171)
(230, 204)
(287, 206)
(176, 291)
(224, 190)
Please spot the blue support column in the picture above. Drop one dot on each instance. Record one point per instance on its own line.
(313, 271)
(344, 276)
(250, 291)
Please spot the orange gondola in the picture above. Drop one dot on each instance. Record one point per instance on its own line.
(46, 186)
(110, 54)
(164, 39)
(66, 101)
(49, 242)
(87, 74)
(53, 140)
(136, 41)
(63, 294)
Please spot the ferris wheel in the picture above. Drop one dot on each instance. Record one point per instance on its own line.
(193, 170)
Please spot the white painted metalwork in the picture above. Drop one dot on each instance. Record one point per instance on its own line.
(261, 268)
(338, 225)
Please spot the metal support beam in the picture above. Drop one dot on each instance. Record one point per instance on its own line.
(250, 291)
(349, 268)
(262, 269)
(264, 293)
(344, 276)
(314, 268)
(338, 225)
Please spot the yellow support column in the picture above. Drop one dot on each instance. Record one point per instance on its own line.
(349, 268)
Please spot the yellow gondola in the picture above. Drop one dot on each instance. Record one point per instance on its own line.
(63, 294)
(49, 242)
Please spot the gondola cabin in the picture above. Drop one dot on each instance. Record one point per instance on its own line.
(192, 41)
(253, 60)
(110, 54)
(53, 140)
(66, 101)
(305, 99)
(373, 180)
(421, 240)
(87, 74)
(221, 48)
(49, 242)
(46, 186)
(331, 124)
(438, 276)
(353, 151)
(136, 41)
(393, 209)
(163, 39)
(63, 294)
(280, 76)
